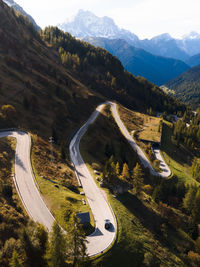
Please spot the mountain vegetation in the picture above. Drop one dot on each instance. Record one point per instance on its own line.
(154, 212)
(105, 74)
(22, 242)
(188, 132)
(156, 69)
(50, 83)
(186, 87)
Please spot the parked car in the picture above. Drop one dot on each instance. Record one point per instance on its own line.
(107, 224)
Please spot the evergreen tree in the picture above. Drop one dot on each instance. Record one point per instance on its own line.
(15, 261)
(188, 200)
(196, 169)
(28, 248)
(137, 179)
(196, 209)
(109, 173)
(56, 254)
(117, 169)
(77, 242)
(41, 237)
(125, 172)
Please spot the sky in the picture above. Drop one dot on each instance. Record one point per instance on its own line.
(145, 18)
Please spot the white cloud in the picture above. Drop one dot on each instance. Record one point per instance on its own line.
(146, 18)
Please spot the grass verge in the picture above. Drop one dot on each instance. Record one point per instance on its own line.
(177, 158)
(57, 183)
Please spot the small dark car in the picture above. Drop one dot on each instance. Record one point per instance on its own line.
(107, 224)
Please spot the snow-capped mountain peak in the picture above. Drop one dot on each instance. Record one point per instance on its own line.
(163, 37)
(87, 24)
(192, 35)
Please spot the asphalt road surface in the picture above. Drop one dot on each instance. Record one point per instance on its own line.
(101, 239)
(145, 162)
(24, 180)
(165, 170)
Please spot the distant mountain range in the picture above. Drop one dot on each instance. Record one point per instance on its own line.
(194, 60)
(156, 69)
(187, 86)
(86, 24)
(14, 5)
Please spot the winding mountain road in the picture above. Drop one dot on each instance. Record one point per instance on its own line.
(165, 171)
(26, 187)
(101, 239)
(24, 181)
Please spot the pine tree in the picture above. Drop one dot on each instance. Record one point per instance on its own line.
(28, 248)
(41, 237)
(77, 242)
(188, 200)
(117, 169)
(109, 173)
(196, 210)
(56, 254)
(15, 261)
(125, 172)
(137, 179)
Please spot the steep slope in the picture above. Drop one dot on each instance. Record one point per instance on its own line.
(104, 73)
(187, 86)
(193, 61)
(36, 84)
(141, 63)
(18, 8)
(61, 96)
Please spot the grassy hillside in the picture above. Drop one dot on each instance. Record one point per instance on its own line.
(55, 177)
(187, 86)
(46, 97)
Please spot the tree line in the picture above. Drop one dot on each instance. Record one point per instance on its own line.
(119, 178)
(187, 130)
(36, 248)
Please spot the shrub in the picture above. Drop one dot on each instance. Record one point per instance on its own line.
(7, 191)
(194, 258)
(148, 189)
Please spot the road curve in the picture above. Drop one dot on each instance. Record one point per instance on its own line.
(24, 181)
(101, 239)
(145, 162)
